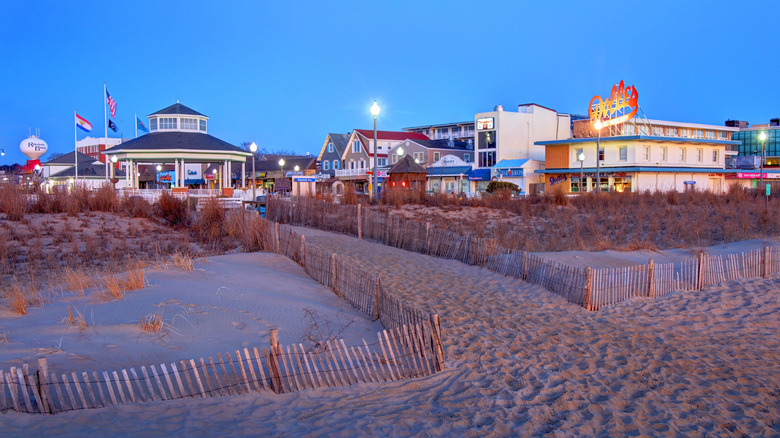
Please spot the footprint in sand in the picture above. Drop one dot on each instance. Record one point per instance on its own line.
(238, 325)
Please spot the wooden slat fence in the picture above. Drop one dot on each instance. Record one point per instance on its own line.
(398, 353)
(590, 288)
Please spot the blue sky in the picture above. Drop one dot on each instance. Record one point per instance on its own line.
(284, 74)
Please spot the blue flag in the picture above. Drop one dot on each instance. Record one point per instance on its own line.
(140, 125)
(111, 125)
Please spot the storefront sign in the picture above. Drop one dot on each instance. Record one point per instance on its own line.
(751, 175)
(485, 123)
(165, 177)
(621, 106)
(516, 172)
(558, 179)
(304, 179)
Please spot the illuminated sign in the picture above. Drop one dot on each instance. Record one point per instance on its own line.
(621, 106)
(557, 179)
(485, 123)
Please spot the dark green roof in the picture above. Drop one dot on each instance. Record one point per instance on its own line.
(176, 140)
(178, 108)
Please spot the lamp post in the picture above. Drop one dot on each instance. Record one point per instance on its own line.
(113, 167)
(581, 158)
(281, 165)
(2, 152)
(762, 137)
(374, 112)
(157, 177)
(297, 182)
(597, 125)
(253, 149)
(215, 178)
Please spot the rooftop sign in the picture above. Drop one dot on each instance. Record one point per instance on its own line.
(620, 107)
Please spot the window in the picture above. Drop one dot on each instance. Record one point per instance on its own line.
(381, 162)
(658, 131)
(646, 153)
(467, 157)
(664, 153)
(724, 135)
(336, 164)
(394, 159)
(362, 164)
(153, 124)
(709, 134)
(700, 155)
(601, 154)
(168, 123)
(356, 146)
(202, 125)
(330, 147)
(326, 165)
(714, 155)
(436, 156)
(685, 132)
(487, 159)
(683, 155)
(623, 153)
(671, 132)
(188, 123)
(444, 132)
(486, 140)
(575, 184)
(351, 164)
(456, 131)
(629, 129)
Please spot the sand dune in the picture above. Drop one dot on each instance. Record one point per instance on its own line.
(522, 362)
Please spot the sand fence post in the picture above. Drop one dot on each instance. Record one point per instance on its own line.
(524, 274)
(650, 273)
(436, 334)
(276, 380)
(333, 275)
(700, 279)
(43, 389)
(588, 288)
(360, 220)
(276, 232)
(377, 285)
(303, 251)
(766, 262)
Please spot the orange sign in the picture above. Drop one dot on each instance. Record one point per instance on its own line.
(621, 106)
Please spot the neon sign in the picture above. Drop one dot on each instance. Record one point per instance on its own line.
(621, 106)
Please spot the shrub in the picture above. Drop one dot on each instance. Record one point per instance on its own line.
(136, 206)
(495, 186)
(172, 210)
(13, 202)
(350, 196)
(104, 199)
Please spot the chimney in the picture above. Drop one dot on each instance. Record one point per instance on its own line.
(498, 108)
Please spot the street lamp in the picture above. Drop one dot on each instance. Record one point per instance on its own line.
(297, 182)
(581, 158)
(400, 152)
(113, 166)
(374, 112)
(281, 165)
(597, 125)
(215, 177)
(762, 137)
(2, 152)
(253, 149)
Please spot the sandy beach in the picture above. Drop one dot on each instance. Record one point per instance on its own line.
(522, 362)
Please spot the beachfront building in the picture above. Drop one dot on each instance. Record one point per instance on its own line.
(647, 155)
(425, 152)
(329, 159)
(747, 164)
(92, 174)
(458, 131)
(358, 157)
(508, 135)
(450, 175)
(94, 147)
(178, 135)
(521, 172)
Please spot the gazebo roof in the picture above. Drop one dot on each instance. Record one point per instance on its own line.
(178, 109)
(406, 165)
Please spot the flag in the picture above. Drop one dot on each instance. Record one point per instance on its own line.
(83, 123)
(112, 125)
(111, 104)
(140, 125)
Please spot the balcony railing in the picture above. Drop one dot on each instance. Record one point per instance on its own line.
(351, 172)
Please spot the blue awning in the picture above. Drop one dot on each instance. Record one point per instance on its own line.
(193, 182)
(479, 175)
(449, 171)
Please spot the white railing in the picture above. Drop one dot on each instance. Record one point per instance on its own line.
(351, 172)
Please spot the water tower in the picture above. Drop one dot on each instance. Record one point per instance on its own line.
(33, 148)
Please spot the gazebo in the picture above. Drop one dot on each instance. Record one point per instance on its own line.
(178, 135)
(406, 174)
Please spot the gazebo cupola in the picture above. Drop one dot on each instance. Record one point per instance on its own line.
(177, 117)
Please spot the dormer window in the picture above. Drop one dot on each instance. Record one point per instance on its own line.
(202, 125)
(153, 124)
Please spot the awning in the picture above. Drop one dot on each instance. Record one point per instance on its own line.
(449, 170)
(193, 181)
(479, 175)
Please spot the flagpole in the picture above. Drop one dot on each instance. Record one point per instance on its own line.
(75, 150)
(136, 125)
(105, 129)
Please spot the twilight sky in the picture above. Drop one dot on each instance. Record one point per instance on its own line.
(285, 73)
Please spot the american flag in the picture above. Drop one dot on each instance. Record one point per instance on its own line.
(111, 104)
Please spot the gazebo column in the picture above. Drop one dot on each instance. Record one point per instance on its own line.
(226, 182)
(176, 172)
(183, 173)
(243, 174)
